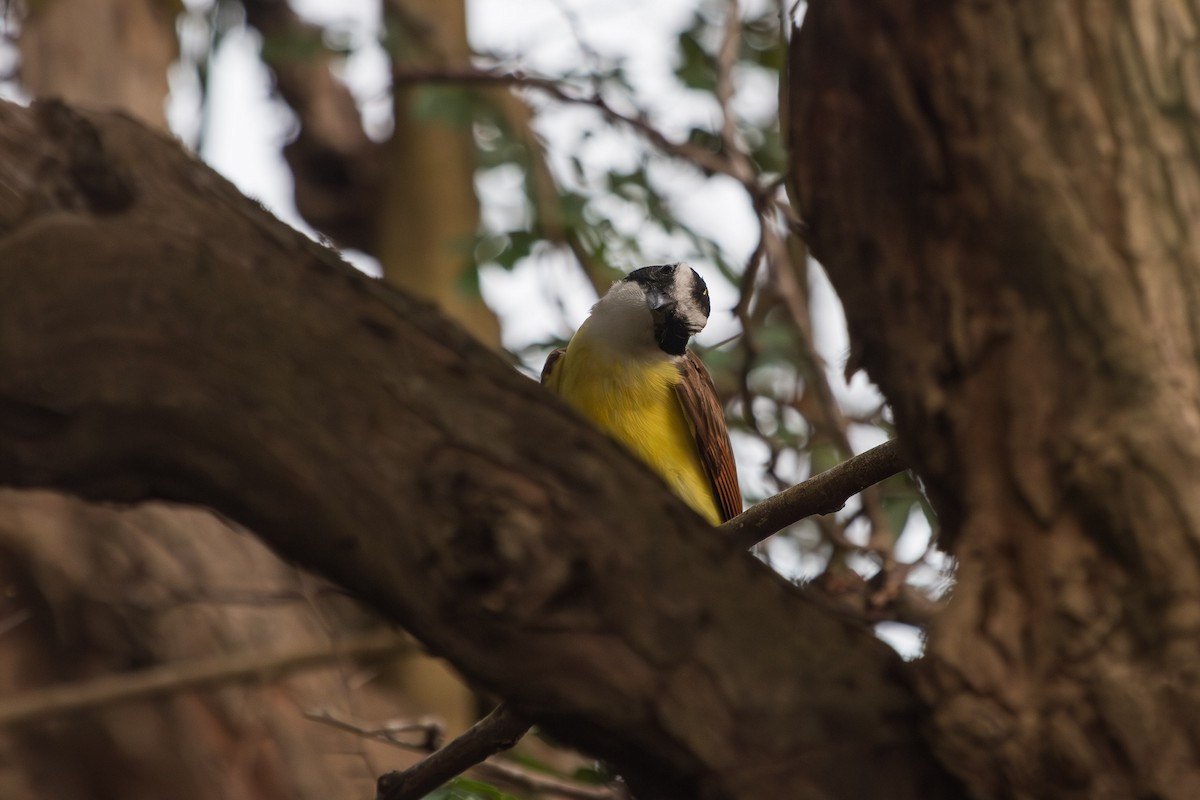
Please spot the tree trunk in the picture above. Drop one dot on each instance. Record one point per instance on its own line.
(1004, 195)
(161, 336)
(90, 593)
(109, 54)
(428, 214)
(409, 201)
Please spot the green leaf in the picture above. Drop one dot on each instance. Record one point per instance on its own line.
(571, 205)
(823, 456)
(302, 45)
(504, 249)
(595, 775)
(468, 789)
(454, 105)
(706, 139)
(766, 148)
(762, 42)
(696, 69)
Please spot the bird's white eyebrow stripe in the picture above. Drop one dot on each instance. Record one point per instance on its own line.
(685, 282)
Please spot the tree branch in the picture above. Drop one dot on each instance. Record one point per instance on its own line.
(498, 731)
(548, 785)
(57, 701)
(335, 165)
(163, 337)
(701, 157)
(429, 730)
(509, 772)
(820, 494)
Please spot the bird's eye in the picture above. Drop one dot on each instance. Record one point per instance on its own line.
(704, 293)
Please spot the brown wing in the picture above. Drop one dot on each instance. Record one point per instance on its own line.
(698, 398)
(551, 360)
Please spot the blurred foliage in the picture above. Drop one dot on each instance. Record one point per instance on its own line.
(620, 214)
(468, 789)
(609, 196)
(610, 200)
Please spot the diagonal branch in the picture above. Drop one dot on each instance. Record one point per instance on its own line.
(215, 357)
(335, 166)
(820, 494)
(498, 731)
(703, 158)
(61, 700)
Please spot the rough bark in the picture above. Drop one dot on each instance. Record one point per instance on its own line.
(90, 592)
(160, 336)
(1004, 195)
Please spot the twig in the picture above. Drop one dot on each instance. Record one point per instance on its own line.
(545, 194)
(548, 784)
(705, 159)
(56, 701)
(740, 164)
(820, 494)
(430, 730)
(499, 730)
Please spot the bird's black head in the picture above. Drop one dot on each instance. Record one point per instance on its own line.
(678, 301)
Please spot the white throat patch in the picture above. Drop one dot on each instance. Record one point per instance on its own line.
(621, 320)
(630, 318)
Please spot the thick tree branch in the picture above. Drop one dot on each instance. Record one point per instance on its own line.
(161, 336)
(335, 166)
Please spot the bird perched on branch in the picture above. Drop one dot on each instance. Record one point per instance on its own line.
(628, 370)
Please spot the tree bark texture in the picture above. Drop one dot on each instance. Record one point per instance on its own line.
(161, 336)
(90, 592)
(1005, 196)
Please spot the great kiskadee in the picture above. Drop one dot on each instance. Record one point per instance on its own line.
(628, 370)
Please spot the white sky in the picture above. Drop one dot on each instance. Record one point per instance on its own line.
(546, 295)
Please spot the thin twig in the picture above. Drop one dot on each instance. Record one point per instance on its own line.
(740, 164)
(705, 159)
(820, 494)
(541, 784)
(499, 730)
(56, 701)
(429, 729)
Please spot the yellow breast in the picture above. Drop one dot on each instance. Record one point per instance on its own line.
(635, 403)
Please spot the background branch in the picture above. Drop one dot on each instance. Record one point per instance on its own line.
(57, 701)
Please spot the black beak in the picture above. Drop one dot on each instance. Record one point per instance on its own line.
(660, 304)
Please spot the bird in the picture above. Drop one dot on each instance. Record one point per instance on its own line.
(629, 371)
